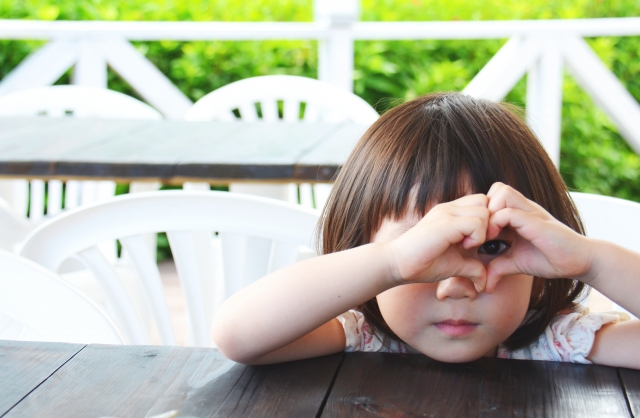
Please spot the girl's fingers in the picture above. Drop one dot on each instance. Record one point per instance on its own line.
(477, 211)
(475, 271)
(474, 221)
(473, 228)
(499, 268)
(472, 200)
(515, 219)
(459, 224)
(495, 188)
(470, 221)
(502, 196)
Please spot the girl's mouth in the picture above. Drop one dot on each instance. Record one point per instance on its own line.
(456, 328)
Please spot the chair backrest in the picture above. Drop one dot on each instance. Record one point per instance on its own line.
(283, 98)
(256, 236)
(36, 305)
(611, 219)
(322, 102)
(61, 101)
(76, 101)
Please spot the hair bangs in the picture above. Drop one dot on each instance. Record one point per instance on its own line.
(464, 153)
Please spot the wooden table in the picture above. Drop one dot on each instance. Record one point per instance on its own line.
(71, 380)
(173, 151)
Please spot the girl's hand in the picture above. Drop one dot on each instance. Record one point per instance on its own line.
(434, 248)
(542, 247)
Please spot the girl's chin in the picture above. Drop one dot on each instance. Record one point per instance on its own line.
(458, 355)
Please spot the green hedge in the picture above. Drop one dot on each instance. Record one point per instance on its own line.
(594, 156)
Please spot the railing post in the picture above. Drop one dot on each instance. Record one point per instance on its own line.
(544, 96)
(335, 52)
(91, 67)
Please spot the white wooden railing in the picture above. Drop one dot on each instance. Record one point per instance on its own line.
(541, 48)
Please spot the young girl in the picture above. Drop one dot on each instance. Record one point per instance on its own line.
(451, 231)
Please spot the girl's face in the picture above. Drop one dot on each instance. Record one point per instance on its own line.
(449, 320)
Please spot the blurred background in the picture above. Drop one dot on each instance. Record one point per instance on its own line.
(594, 157)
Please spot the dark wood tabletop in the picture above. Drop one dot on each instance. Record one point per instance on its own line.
(72, 380)
(173, 151)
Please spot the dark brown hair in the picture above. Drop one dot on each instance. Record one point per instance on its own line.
(431, 142)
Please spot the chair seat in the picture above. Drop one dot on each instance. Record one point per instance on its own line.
(35, 304)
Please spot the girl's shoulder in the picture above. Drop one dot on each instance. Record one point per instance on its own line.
(360, 337)
(568, 337)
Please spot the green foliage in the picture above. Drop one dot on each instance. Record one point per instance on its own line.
(594, 156)
(195, 67)
(200, 67)
(406, 69)
(163, 251)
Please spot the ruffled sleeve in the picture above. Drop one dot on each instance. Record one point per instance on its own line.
(360, 337)
(569, 337)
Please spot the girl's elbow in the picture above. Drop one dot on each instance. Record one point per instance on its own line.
(231, 345)
(238, 356)
(227, 343)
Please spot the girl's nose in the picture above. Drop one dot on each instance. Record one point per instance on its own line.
(456, 288)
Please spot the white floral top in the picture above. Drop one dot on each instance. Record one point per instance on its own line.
(569, 337)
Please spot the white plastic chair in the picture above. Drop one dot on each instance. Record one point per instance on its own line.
(13, 226)
(611, 219)
(301, 99)
(63, 101)
(190, 218)
(35, 305)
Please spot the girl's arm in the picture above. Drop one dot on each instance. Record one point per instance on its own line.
(615, 272)
(616, 345)
(290, 314)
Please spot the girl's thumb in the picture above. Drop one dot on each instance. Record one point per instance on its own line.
(499, 268)
(475, 271)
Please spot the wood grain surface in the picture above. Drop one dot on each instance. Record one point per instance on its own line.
(631, 382)
(54, 379)
(173, 151)
(25, 365)
(389, 385)
(144, 381)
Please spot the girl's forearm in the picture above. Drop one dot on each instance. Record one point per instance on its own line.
(615, 272)
(288, 304)
(616, 345)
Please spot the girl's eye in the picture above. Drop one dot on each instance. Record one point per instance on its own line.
(494, 247)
